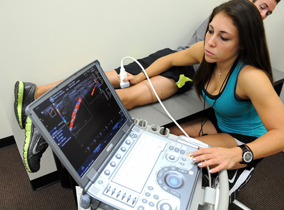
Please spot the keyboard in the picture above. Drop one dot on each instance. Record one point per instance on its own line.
(138, 165)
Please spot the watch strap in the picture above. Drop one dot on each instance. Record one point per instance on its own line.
(245, 148)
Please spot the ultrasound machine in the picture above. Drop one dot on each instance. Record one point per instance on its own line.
(120, 162)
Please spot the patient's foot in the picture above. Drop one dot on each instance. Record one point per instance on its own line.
(34, 147)
(24, 93)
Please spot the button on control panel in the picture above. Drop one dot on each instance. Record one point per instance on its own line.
(120, 154)
(168, 186)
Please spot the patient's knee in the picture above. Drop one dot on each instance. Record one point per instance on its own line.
(126, 100)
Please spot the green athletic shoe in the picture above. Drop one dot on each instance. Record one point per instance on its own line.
(34, 147)
(24, 93)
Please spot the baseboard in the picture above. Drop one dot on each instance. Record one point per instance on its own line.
(6, 142)
(45, 181)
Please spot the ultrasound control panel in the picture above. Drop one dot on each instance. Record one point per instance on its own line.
(148, 172)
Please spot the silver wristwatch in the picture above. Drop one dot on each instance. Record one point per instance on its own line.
(247, 154)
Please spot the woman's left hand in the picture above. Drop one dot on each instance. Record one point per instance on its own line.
(217, 158)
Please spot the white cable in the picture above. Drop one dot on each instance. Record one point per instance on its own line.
(155, 93)
(209, 174)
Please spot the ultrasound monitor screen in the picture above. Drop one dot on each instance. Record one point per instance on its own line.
(82, 118)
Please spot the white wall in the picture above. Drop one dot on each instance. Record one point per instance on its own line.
(5, 129)
(274, 34)
(45, 41)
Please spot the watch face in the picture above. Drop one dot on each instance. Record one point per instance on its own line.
(247, 157)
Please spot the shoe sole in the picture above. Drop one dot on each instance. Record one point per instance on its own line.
(18, 103)
(27, 143)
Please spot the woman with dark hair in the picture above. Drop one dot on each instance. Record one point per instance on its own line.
(235, 78)
(177, 79)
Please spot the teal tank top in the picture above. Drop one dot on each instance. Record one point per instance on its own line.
(234, 114)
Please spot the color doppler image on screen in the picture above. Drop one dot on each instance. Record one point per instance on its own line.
(82, 115)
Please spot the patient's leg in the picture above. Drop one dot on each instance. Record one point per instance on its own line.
(136, 95)
(141, 93)
(40, 90)
(112, 76)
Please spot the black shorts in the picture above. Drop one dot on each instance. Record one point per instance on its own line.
(182, 75)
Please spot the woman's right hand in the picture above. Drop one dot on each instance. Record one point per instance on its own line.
(133, 79)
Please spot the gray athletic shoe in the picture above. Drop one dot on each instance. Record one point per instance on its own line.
(24, 93)
(34, 147)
